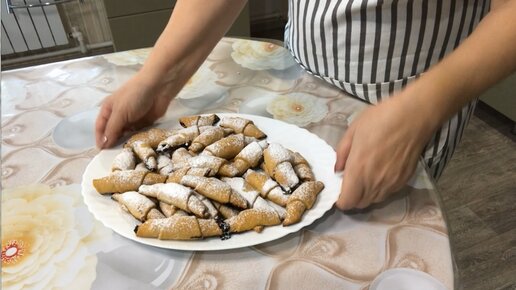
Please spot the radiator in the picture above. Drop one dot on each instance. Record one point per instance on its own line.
(34, 25)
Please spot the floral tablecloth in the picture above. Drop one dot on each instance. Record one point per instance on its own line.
(51, 241)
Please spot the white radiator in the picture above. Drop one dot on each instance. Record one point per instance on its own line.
(36, 25)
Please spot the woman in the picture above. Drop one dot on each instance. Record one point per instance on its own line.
(376, 50)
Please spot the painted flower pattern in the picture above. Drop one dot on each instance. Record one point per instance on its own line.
(201, 84)
(130, 57)
(48, 239)
(256, 55)
(298, 108)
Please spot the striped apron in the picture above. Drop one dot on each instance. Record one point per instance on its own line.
(373, 48)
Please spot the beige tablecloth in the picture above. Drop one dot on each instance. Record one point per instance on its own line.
(49, 238)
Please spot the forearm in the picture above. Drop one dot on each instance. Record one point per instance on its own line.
(193, 30)
(484, 58)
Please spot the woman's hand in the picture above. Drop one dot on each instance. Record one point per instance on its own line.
(380, 150)
(181, 48)
(134, 105)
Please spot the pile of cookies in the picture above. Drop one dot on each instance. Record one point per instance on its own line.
(212, 177)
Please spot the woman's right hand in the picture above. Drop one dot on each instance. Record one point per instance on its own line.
(184, 44)
(136, 104)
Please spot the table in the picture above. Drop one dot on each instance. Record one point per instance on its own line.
(49, 238)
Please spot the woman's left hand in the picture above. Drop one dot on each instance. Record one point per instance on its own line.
(380, 150)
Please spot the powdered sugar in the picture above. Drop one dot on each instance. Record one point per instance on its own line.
(251, 153)
(180, 158)
(212, 211)
(125, 160)
(227, 147)
(171, 193)
(210, 187)
(268, 186)
(307, 193)
(208, 136)
(127, 176)
(279, 209)
(141, 167)
(245, 153)
(181, 137)
(238, 184)
(164, 165)
(235, 123)
(289, 178)
(206, 161)
(278, 153)
(151, 163)
(177, 227)
(175, 194)
(137, 204)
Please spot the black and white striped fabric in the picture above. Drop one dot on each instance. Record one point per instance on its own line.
(373, 48)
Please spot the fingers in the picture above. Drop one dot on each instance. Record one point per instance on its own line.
(344, 148)
(352, 190)
(156, 110)
(100, 124)
(159, 109)
(114, 128)
(369, 198)
(380, 197)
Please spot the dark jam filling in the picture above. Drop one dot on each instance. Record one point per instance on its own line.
(224, 227)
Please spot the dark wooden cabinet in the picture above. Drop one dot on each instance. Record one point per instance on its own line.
(138, 23)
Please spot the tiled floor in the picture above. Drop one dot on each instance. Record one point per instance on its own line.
(479, 194)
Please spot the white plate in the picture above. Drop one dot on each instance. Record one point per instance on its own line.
(405, 279)
(317, 152)
(76, 131)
